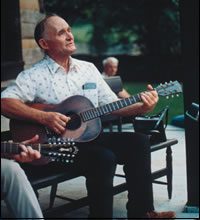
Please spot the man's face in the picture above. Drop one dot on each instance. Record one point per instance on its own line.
(110, 69)
(58, 37)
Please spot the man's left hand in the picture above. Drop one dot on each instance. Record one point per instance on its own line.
(149, 98)
(28, 154)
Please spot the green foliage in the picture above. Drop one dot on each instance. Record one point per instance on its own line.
(82, 32)
(152, 24)
(176, 105)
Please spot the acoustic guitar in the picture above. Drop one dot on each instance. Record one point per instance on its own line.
(85, 123)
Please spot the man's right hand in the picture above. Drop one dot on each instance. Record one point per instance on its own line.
(55, 121)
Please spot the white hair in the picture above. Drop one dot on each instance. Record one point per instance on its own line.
(110, 60)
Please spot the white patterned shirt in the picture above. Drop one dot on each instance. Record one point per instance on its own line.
(47, 82)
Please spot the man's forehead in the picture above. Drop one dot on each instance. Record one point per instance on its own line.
(111, 64)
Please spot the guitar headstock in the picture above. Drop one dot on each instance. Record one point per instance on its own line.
(169, 89)
(60, 150)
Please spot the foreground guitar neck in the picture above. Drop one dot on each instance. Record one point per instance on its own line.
(14, 148)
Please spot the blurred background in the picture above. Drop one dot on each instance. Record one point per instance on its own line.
(145, 35)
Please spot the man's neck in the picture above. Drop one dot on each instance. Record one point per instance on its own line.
(62, 61)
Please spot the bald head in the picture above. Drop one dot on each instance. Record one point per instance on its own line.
(53, 34)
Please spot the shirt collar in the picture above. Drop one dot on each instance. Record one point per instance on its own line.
(53, 66)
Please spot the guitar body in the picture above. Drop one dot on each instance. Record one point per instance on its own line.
(78, 130)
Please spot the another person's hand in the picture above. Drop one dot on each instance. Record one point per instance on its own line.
(28, 154)
(149, 98)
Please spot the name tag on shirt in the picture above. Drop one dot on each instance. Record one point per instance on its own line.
(90, 92)
(89, 86)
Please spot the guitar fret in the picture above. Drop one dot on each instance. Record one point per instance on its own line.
(124, 102)
(139, 97)
(114, 107)
(91, 114)
(133, 99)
(121, 104)
(82, 115)
(107, 110)
(97, 112)
(117, 105)
(103, 109)
(109, 107)
(94, 113)
(88, 115)
(128, 99)
(100, 111)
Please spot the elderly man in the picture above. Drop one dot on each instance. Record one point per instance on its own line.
(110, 66)
(58, 77)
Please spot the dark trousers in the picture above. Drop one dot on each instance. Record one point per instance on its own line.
(97, 161)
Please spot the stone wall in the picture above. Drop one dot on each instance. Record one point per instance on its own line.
(30, 15)
(31, 53)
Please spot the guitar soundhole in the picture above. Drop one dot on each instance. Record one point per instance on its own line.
(74, 123)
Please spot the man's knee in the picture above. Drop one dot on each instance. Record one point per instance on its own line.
(103, 162)
(11, 168)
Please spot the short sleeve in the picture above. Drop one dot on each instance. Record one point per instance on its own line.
(24, 88)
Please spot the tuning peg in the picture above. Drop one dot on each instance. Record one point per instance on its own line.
(59, 141)
(49, 141)
(172, 96)
(166, 83)
(177, 95)
(167, 97)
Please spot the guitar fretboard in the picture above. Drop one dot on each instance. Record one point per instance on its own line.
(14, 148)
(108, 108)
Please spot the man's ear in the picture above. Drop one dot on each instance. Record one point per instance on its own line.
(43, 44)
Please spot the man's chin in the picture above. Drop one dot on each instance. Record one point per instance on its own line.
(73, 49)
(70, 51)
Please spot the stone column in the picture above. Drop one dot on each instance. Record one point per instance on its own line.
(30, 15)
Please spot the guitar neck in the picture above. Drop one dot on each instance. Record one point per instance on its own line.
(108, 108)
(14, 148)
